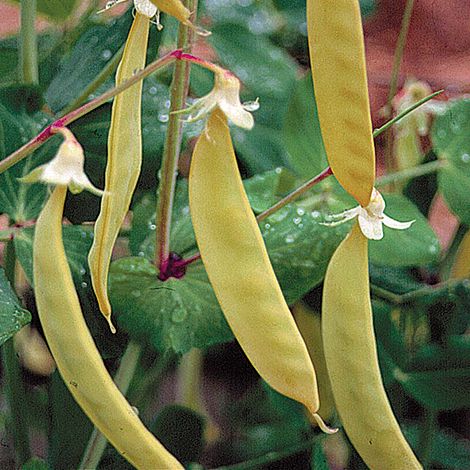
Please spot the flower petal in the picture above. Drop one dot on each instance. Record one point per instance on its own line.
(392, 223)
(343, 217)
(371, 227)
(237, 114)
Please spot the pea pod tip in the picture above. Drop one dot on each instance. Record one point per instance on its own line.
(323, 426)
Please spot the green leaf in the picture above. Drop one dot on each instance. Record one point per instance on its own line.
(77, 243)
(301, 131)
(443, 388)
(35, 464)
(415, 246)
(447, 449)
(142, 237)
(89, 56)
(181, 431)
(451, 140)
(23, 201)
(265, 189)
(12, 316)
(300, 247)
(174, 315)
(260, 149)
(9, 53)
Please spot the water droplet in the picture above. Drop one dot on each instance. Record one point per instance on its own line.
(267, 226)
(179, 314)
(84, 285)
(315, 214)
(82, 270)
(278, 170)
(433, 249)
(163, 117)
(289, 239)
(465, 158)
(297, 220)
(141, 254)
(152, 226)
(300, 211)
(136, 293)
(106, 54)
(167, 104)
(153, 90)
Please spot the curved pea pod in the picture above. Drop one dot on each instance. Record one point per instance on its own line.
(351, 358)
(240, 272)
(124, 162)
(74, 350)
(461, 266)
(339, 74)
(309, 324)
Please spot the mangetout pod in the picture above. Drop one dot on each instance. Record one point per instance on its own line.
(240, 272)
(351, 358)
(74, 350)
(124, 162)
(337, 59)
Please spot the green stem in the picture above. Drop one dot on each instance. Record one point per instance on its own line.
(407, 111)
(295, 194)
(47, 133)
(97, 443)
(424, 169)
(104, 74)
(399, 49)
(28, 43)
(431, 292)
(426, 440)
(14, 387)
(171, 152)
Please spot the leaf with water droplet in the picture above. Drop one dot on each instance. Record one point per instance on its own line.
(12, 316)
(414, 246)
(77, 243)
(451, 141)
(175, 315)
(22, 201)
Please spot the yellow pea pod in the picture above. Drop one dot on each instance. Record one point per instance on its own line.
(461, 267)
(351, 357)
(124, 162)
(74, 350)
(238, 266)
(309, 324)
(339, 74)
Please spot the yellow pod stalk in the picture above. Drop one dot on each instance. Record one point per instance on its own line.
(461, 267)
(74, 350)
(124, 162)
(238, 266)
(309, 324)
(351, 357)
(174, 8)
(338, 64)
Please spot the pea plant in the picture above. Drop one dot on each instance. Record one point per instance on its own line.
(201, 268)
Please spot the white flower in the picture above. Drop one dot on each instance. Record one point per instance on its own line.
(145, 7)
(371, 218)
(225, 95)
(66, 168)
